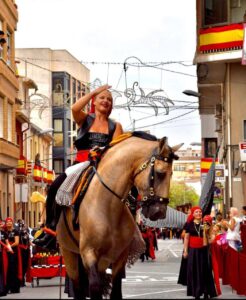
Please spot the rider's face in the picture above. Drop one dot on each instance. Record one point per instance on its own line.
(103, 102)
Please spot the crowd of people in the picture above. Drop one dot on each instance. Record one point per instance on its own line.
(15, 244)
(199, 269)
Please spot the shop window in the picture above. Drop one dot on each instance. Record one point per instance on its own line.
(215, 12)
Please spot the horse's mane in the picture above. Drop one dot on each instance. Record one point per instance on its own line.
(139, 134)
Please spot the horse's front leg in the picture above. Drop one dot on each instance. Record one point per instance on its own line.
(95, 284)
(118, 273)
(76, 273)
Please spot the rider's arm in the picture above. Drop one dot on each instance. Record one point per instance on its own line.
(77, 108)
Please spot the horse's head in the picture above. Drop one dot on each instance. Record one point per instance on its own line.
(152, 180)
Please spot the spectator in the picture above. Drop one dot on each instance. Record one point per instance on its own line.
(14, 273)
(244, 214)
(24, 248)
(3, 259)
(233, 233)
(200, 278)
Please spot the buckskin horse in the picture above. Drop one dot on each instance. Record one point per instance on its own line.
(108, 235)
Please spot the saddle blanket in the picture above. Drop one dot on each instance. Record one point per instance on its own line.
(64, 194)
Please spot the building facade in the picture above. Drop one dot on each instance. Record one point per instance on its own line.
(9, 150)
(221, 76)
(61, 80)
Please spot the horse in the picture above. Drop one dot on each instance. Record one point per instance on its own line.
(108, 235)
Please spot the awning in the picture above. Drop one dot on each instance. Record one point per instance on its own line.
(174, 219)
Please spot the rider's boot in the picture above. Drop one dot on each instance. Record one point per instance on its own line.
(52, 216)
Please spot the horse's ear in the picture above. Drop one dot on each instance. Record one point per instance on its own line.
(177, 147)
(163, 145)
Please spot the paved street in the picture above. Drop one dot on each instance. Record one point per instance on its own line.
(148, 280)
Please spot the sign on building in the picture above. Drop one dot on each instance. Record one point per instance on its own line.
(219, 173)
(242, 148)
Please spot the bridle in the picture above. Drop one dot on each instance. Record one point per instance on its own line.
(151, 197)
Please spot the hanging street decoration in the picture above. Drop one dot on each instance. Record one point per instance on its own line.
(151, 99)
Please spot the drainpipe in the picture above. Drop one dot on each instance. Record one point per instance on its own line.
(228, 121)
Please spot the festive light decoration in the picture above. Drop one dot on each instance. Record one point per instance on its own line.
(150, 99)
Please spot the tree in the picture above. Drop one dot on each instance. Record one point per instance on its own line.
(181, 193)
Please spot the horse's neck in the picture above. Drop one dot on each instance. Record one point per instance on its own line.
(122, 160)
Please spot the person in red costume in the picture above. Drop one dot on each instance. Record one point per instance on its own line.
(14, 273)
(200, 280)
(4, 247)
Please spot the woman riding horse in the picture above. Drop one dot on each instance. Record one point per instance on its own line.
(108, 235)
(94, 130)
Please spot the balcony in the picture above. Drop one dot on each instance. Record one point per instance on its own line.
(9, 154)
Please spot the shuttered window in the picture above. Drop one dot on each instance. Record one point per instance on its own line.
(10, 110)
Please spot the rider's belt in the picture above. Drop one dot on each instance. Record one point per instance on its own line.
(195, 242)
(82, 155)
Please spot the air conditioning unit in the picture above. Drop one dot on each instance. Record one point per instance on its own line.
(218, 125)
(218, 111)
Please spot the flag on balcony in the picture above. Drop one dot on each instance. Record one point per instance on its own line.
(22, 166)
(37, 173)
(50, 176)
(45, 175)
(222, 38)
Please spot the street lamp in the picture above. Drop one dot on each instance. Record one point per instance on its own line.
(191, 93)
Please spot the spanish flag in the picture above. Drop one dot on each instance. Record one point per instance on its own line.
(206, 164)
(222, 38)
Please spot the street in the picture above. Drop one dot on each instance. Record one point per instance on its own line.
(145, 280)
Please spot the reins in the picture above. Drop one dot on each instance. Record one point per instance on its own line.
(151, 197)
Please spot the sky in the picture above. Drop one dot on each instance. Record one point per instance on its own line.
(137, 33)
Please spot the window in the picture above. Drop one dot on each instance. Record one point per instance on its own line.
(58, 166)
(58, 91)
(2, 36)
(69, 130)
(9, 47)
(215, 12)
(1, 117)
(244, 129)
(58, 132)
(10, 119)
(178, 168)
(210, 147)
